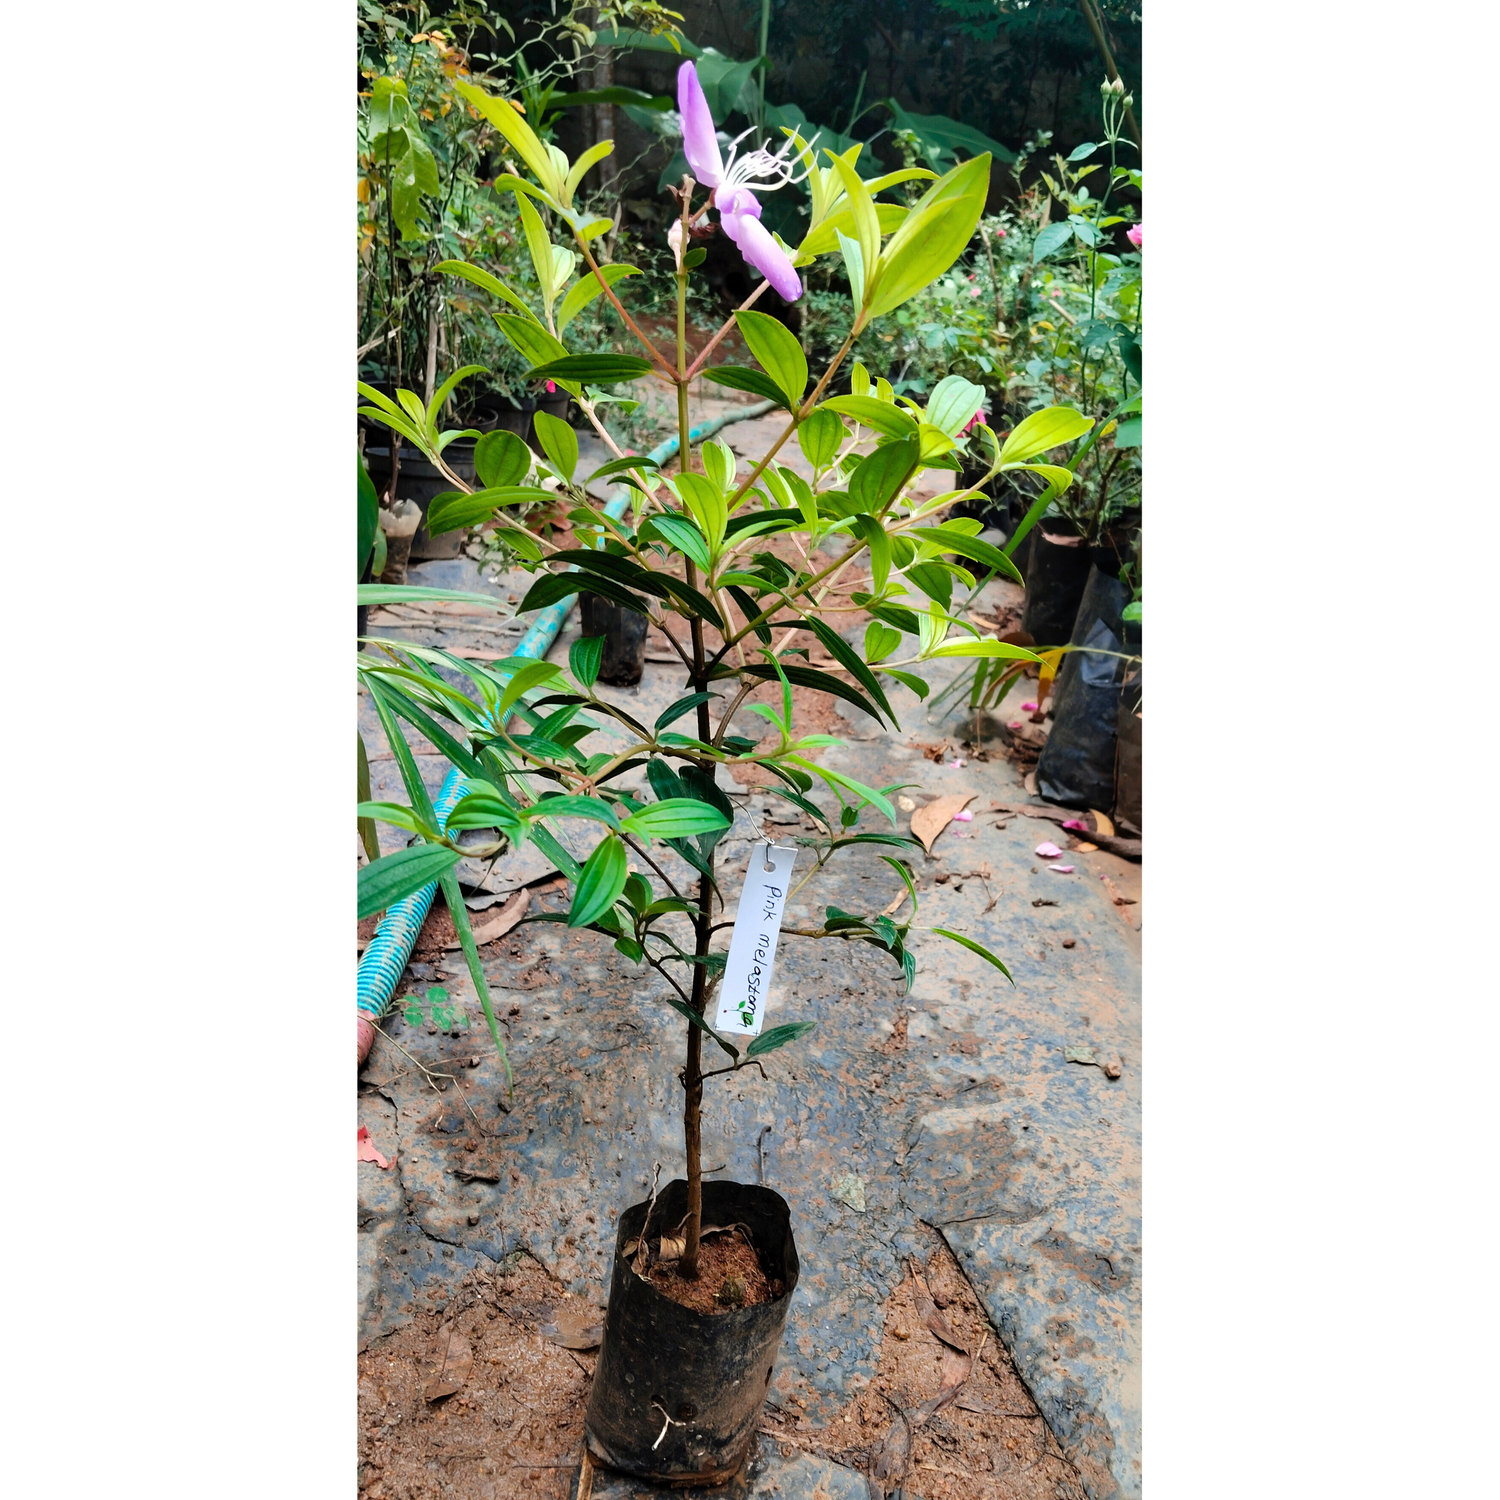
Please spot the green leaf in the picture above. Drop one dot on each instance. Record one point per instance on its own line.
(594, 808)
(401, 874)
(676, 817)
(600, 882)
(526, 678)
(1128, 434)
(739, 378)
(952, 540)
(870, 411)
(776, 348)
(540, 247)
(1050, 241)
(880, 641)
(683, 534)
(601, 369)
(876, 799)
(501, 460)
(719, 465)
(854, 268)
(688, 1013)
(674, 711)
(584, 656)
(559, 442)
(453, 509)
(878, 540)
(1042, 430)
(878, 480)
(844, 654)
(933, 236)
(520, 135)
(778, 1036)
(615, 466)
(837, 227)
(973, 947)
(952, 404)
(984, 648)
(482, 278)
(587, 288)
(811, 677)
(535, 345)
(908, 679)
(705, 502)
(820, 436)
(862, 207)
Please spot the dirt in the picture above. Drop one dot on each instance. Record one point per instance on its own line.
(990, 1441)
(723, 1261)
(514, 1428)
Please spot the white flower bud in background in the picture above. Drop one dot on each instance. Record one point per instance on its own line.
(674, 239)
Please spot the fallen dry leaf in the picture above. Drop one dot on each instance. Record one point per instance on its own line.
(927, 822)
(367, 1151)
(454, 1362)
(958, 1363)
(575, 1325)
(501, 923)
(1102, 823)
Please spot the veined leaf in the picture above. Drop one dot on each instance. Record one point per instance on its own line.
(1042, 430)
(777, 350)
(559, 442)
(953, 403)
(870, 411)
(583, 291)
(501, 459)
(574, 807)
(584, 657)
(820, 436)
(401, 874)
(984, 648)
(741, 378)
(676, 817)
(933, 235)
(482, 278)
(973, 947)
(778, 1036)
(601, 369)
(600, 882)
(509, 123)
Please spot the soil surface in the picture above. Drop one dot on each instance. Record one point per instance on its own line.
(729, 1276)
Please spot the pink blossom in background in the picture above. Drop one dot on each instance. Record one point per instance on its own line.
(551, 387)
(963, 817)
(1029, 708)
(1133, 234)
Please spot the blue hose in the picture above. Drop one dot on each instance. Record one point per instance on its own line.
(384, 961)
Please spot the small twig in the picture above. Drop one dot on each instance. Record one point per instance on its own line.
(429, 1075)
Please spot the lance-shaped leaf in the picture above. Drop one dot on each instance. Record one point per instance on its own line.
(689, 1014)
(492, 284)
(973, 947)
(741, 378)
(600, 882)
(776, 348)
(778, 1036)
(582, 292)
(677, 817)
(952, 540)
(1049, 428)
(870, 411)
(401, 874)
(505, 118)
(933, 235)
(601, 369)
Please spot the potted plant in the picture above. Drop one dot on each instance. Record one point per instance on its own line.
(723, 563)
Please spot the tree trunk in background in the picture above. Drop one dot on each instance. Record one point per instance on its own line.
(604, 120)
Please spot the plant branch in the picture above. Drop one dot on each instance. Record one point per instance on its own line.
(713, 343)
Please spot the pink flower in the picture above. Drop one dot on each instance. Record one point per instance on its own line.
(1133, 234)
(739, 209)
(551, 387)
(978, 416)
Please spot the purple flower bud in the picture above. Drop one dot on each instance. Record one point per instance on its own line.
(700, 141)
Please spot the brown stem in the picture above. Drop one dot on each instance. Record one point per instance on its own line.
(729, 323)
(798, 415)
(1096, 26)
(619, 307)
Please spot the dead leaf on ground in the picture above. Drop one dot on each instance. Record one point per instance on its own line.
(500, 923)
(1102, 824)
(367, 1151)
(455, 1359)
(894, 1456)
(958, 1363)
(927, 822)
(575, 1325)
(1080, 1055)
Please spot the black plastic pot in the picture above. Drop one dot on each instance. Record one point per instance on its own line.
(420, 481)
(1128, 758)
(706, 1372)
(1056, 574)
(624, 633)
(1077, 764)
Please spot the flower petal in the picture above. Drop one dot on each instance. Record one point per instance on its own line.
(700, 141)
(761, 251)
(1061, 869)
(1047, 849)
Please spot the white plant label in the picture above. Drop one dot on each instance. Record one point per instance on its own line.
(746, 985)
